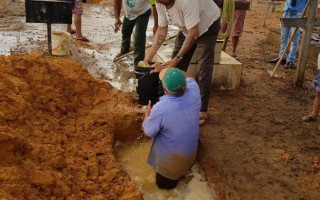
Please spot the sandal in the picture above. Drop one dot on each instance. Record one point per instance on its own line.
(84, 39)
(308, 119)
(72, 32)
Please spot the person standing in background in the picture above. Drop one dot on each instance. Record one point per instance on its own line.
(137, 14)
(236, 30)
(291, 9)
(316, 104)
(77, 11)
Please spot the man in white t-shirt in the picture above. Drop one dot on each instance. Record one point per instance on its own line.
(199, 24)
(137, 14)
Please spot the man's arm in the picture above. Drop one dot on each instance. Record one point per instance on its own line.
(193, 35)
(146, 115)
(155, 18)
(157, 42)
(117, 10)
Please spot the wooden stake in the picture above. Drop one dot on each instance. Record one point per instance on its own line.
(305, 41)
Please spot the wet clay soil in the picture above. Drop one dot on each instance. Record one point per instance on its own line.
(56, 129)
(255, 145)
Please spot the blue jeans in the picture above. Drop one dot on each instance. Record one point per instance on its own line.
(286, 32)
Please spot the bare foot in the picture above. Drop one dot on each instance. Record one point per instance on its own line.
(71, 31)
(309, 118)
(84, 39)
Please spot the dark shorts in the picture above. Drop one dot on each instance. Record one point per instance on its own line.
(165, 183)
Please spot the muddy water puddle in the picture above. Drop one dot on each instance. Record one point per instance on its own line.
(133, 158)
(17, 36)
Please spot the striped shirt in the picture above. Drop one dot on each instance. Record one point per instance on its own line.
(186, 14)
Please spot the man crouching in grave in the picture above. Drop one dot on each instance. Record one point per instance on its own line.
(173, 124)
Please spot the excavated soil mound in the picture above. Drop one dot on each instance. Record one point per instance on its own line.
(57, 128)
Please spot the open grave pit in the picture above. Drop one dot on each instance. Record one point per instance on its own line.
(57, 130)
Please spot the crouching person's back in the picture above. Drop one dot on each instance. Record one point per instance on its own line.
(173, 123)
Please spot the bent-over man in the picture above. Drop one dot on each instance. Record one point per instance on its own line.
(199, 24)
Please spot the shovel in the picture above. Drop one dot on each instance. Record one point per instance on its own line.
(131, 52)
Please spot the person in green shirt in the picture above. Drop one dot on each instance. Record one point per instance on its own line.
(137, 14)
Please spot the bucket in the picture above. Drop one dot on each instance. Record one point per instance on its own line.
(147, 85)
(60, 43)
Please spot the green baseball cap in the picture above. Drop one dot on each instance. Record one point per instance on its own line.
(172, 78)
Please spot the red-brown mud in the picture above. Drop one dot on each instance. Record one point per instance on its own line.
(57, 129)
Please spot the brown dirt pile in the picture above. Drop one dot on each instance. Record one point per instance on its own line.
(57, 130)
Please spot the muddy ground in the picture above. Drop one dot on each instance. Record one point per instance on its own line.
(254, 146)
(57, 130)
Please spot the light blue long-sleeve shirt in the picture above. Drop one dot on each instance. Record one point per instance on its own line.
(174, 125)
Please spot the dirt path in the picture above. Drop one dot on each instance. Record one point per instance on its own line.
(255, 145)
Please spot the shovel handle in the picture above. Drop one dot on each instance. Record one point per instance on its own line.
(131, 52)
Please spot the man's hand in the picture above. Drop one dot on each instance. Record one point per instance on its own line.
(117, 25)
(157, 68)
(146, 115)
(172, 63)
(117, 11)
(148, 110)
(146, 59)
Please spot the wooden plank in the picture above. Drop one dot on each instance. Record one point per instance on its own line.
(297, 22)
(306, 36)
(269, 2)
(317, 22)
(239, 5)
(265, 15)
(242, 5)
